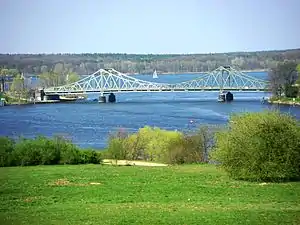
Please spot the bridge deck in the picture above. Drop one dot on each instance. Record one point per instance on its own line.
(155, 90)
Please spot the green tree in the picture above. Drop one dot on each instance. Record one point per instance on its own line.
(3, 73)
(17, 87)
(72, 77)
(260, 146)
(46, 79)
(50, 79)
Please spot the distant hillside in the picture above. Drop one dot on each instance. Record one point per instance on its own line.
(134, 63)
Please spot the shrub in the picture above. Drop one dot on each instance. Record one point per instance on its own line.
(191, 148)
(155, 144)
(90, 156)
(260, 146)
(28, 152)
(147, 144)
(43, 151)
(6, 149)
(70, 155)
(116, 146)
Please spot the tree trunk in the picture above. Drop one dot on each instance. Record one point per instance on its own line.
(2, 84)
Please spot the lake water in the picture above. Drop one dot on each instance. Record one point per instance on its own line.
(89, 123)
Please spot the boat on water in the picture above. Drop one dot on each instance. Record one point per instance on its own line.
(70, 98)
(222, 97)
(67, 98)
(154, 76)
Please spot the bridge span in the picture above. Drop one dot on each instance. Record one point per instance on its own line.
(110, 81)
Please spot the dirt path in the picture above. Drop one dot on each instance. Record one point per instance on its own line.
(131, 163)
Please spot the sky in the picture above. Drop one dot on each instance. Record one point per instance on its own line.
(148, 26)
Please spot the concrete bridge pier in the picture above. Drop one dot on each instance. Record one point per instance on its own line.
(102, 98)
(229, 96)
(111, 97)
(225, 97)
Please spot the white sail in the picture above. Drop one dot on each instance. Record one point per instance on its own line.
(155, 75)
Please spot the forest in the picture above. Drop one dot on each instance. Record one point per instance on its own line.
(87, 63)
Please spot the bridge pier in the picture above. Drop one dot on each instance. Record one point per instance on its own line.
(229, 96)
(225, 97)
(111, 97)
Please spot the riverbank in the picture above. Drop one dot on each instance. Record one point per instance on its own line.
(285, 101)
(201, 72)
(32, 103)
(99, 194)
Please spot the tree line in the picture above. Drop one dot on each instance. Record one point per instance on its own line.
(19, 90)
(88, 63)
(284, 80)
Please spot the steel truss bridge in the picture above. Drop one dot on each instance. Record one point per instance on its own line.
(106, 81)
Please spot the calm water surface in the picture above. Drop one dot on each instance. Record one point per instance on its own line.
(89, 123)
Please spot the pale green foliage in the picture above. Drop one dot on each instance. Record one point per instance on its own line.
(47, 79)
(148, 143)
(116, 146)
(17, 88)
(156, 141)
(50, 79)
(58, 77)
(17, 84)
(260, 146)
(155, 144)
(72, 77)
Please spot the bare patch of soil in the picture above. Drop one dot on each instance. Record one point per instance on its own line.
(65, 182)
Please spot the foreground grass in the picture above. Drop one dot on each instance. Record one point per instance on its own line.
(95, 194)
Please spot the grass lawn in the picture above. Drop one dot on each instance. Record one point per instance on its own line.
(97, 194)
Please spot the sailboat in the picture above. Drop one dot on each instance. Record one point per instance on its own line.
(154, 75)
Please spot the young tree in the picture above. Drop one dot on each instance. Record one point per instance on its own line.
(17, 87)
(3, 74)
(72, 77)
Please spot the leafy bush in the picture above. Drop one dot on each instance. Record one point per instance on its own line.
(43, 151)
(28, 152)
(90, 156)
(155, 144)
(191, 148)
(117, 147)
(70, 155)
(260, 146)
(6, 149)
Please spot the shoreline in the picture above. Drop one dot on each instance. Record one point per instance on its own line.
(182, 73)
(284, 102)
